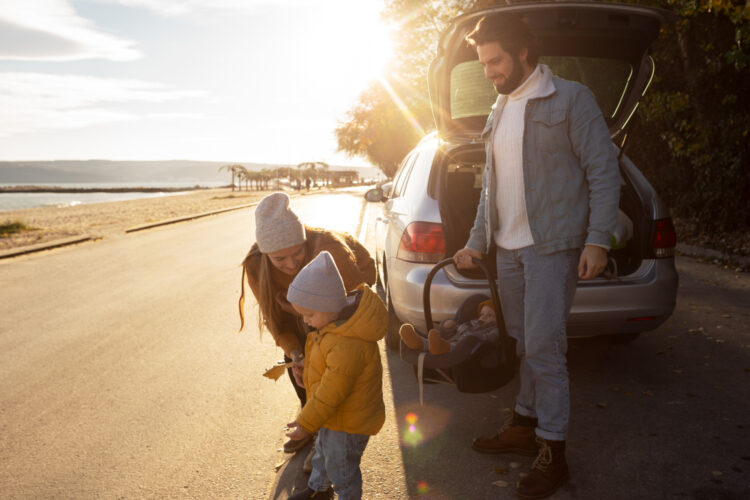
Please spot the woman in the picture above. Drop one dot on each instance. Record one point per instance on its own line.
(284, 245)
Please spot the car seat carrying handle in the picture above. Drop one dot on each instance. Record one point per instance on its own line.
(493, 292)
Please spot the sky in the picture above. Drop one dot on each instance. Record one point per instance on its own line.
(218, 80)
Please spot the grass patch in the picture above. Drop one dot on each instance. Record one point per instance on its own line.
(10, 227)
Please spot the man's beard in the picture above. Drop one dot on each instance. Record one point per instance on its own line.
(513, 80)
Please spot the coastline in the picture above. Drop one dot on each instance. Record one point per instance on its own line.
(135, 189)
(112, 219)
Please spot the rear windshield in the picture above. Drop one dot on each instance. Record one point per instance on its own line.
(473, 95)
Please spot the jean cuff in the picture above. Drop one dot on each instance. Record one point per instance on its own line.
(550, 436)
(524, 412)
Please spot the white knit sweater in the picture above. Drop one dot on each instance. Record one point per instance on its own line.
(507, 147)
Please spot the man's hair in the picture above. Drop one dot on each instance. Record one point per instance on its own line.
(510, 31)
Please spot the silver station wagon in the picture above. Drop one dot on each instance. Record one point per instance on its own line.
(429, 207)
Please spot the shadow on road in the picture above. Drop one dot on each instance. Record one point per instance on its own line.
(290, 478)
(651, 419)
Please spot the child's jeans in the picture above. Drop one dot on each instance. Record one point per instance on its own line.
(336, 461)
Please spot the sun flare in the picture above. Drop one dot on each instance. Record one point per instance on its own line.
(363, 42)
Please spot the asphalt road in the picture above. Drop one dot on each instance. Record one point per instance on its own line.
(122, 376)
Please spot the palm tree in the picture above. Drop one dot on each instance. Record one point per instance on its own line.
(234, 169)
(266, 174)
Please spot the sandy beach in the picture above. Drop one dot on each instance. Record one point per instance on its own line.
(109, 220)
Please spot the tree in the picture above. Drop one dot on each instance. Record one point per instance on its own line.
(693, 126)
(266, 174)
(234, 169)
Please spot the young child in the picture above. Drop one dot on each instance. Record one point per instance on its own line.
(342, 375)
(440, 341)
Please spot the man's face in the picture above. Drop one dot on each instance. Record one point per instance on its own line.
(505, 70)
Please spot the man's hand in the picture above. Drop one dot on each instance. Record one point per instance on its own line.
(592, 263)
(298, 432)
(462, 259)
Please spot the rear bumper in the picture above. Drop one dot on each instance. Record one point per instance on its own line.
(636, 303)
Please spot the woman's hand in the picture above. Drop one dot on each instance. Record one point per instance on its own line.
(298, 432)
(298, 367)
(285, 304)
(463, 257)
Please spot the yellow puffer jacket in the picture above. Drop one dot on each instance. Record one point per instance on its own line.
(343, 374)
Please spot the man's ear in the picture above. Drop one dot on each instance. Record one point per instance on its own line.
(523, 55)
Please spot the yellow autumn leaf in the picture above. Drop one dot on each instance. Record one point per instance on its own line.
(277, 371)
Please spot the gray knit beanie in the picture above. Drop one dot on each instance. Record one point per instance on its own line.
(276, 226)
(318, 286)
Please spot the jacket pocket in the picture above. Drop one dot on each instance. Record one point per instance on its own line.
(551, 130)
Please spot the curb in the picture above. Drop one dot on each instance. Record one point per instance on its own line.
(13, 252)
(187, 218)
(44, 246)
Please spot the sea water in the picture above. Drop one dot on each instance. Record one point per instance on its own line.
(21, 201)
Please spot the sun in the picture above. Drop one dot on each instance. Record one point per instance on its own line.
(357, 40)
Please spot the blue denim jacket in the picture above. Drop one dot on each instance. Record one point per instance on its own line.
(570, 172)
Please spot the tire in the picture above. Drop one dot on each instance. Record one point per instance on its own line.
(392, 338)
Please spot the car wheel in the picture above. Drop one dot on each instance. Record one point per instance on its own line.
(622, 338)
(392, 338)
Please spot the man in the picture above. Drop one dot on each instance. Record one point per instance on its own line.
(549, 203)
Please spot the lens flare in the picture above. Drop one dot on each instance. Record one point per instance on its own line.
(412, 435)
(423, 488)
(420, 424)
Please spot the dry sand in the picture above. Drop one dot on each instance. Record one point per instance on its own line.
(107, 220)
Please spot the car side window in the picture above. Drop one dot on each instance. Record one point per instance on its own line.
(401, 176)
(408, 177)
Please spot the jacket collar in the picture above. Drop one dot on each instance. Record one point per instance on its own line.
(368, 321)
(546, 88)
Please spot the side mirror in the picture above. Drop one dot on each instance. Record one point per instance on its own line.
(375, 195)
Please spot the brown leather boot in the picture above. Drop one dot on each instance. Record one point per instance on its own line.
(515, 436)
(548, 472)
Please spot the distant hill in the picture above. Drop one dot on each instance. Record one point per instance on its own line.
(106, 171)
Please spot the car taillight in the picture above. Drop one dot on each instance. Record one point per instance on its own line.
(665, 238)
(422, 242)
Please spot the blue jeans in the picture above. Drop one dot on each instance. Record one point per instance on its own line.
(336, 461)
(536, 292)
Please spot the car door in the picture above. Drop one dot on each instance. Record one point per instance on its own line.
(395, 212)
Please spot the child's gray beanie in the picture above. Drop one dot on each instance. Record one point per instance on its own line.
(276, 226)
(318, 286)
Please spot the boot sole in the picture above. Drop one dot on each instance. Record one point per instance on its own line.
(561, 483)
(500, 451)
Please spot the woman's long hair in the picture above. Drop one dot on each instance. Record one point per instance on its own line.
(267, 313)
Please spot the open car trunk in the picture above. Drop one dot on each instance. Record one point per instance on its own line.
(603, 46)
(456, 185)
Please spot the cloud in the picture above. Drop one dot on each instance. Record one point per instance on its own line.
(31, 102)
(50, 30)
